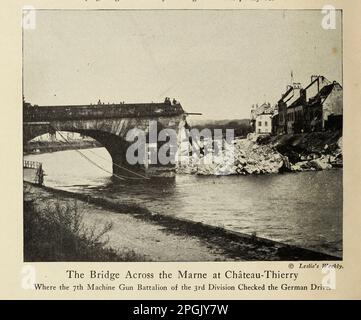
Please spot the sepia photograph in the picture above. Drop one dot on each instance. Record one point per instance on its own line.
(182, 135)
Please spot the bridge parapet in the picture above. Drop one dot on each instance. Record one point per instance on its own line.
(107, 111)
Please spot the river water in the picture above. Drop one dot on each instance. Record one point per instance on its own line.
(303, 209)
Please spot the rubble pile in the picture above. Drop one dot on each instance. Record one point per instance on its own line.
(327, 159)
(247, 158)
(260, 156)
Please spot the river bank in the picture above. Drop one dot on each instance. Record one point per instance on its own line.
(157, 237)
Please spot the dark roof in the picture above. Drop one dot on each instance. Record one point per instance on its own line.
(286, 94)
(326, 90)
(324, 93)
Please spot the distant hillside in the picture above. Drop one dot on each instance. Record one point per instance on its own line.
(241, 127)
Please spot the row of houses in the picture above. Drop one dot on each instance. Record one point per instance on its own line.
(317, 107)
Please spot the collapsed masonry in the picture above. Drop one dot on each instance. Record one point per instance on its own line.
(265, 155)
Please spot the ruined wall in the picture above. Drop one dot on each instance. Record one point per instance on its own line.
(317, 83)
(333, 103)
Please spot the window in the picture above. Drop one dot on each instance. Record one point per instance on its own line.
(259, 123)
(266, 123)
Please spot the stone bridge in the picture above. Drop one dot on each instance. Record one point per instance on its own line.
(108, 124)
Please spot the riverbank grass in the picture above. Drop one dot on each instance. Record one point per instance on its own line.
(57, 233)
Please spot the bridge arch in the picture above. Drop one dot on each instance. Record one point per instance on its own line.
(115, 145)
(109, 125)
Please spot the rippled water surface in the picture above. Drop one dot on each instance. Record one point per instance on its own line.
(303, 209)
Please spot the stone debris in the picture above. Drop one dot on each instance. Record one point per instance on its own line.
(248, 158)
(257, 155)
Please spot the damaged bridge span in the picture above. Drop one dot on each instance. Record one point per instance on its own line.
(108, 124)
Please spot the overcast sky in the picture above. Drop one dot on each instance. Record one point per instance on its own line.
(215, 62)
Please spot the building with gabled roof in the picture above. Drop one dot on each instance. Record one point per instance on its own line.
(317, 107)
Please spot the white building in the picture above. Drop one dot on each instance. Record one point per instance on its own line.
(261, 118)
(264, 123)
